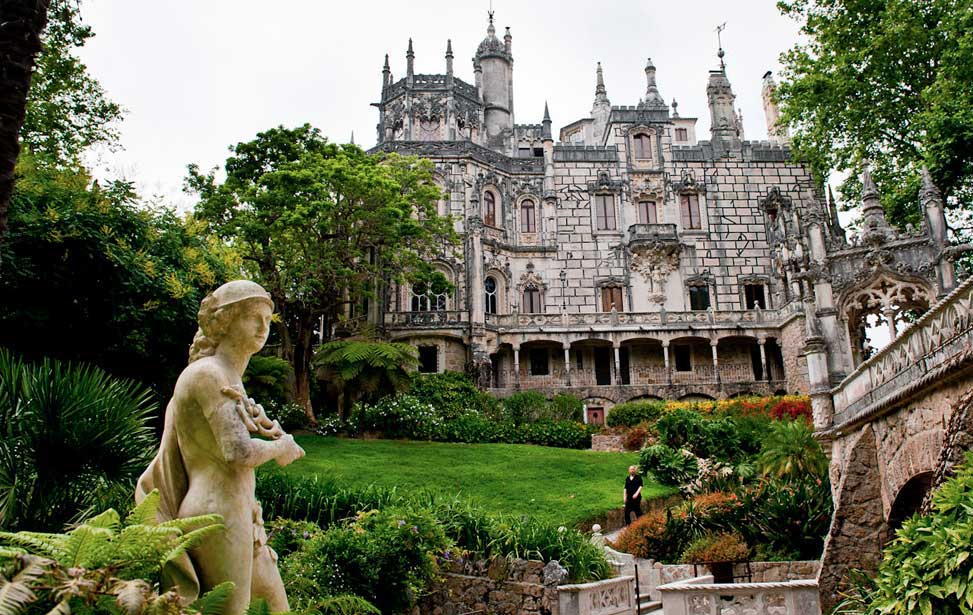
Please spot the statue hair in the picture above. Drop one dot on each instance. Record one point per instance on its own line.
(213, 324)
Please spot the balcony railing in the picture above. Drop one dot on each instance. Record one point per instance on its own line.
(701, 595)
(614, 319)
(641, 375)
(432, 319)
(653, 233)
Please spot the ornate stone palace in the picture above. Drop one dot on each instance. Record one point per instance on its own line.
(631, 260)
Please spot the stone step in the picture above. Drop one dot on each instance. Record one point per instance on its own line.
(649, 606)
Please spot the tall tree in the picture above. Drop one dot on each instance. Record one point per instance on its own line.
(884, 83)
(21, 24)
(322, 227)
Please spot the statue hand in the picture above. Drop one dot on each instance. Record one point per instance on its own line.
(290, 451)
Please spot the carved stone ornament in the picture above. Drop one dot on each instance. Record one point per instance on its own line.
(687, 183)
(775, 201)
(475, 224)
(655, 261)
(605, 184)
(531, 279)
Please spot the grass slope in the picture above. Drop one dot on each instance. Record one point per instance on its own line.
(556, 485)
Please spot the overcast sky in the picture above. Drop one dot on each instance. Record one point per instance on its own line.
(196, 76)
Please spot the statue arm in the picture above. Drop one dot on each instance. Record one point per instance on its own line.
(229, 430)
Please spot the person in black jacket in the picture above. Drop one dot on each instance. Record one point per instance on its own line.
(632, 495)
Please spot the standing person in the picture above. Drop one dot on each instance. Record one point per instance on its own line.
(632, 495)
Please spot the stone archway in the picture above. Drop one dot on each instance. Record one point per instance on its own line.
(909, 499)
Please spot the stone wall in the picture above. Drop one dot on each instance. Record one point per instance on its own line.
(792, 348)
(501, 586)
(607, 444)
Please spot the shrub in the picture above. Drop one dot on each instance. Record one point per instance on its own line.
(655, 536)
(314, 499)
(401, 416)
(290, 416)
(268, 381)
(792, 408)
(565, 407)
(634, 438)
(531, 540)
(562, 434)
(927, 568)
(681, 428)
(712, 548)
(669, 466)
(786, 521)
(452, 394)
(790, 452)
(524, 406)
(72, 435)
(632, 413)
(386, 556)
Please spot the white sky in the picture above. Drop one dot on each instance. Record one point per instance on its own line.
(196, 76)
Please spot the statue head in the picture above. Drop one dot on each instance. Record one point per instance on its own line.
(220, 309)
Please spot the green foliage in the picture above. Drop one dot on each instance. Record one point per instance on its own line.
(631, 413)
(89, 275)
(528, 539)
(786, 521)
(524, 406)
(566, 407)
(67, 110)
(105, 564)
(927, 568)
(886, 84)
(268, 381)
(705, 437)
(713, 547)
(387, 557)
(367, 369)
(320, 501)
(71, 435)
(453, 394)
(790, 452)
(321, 225)
(668, 465)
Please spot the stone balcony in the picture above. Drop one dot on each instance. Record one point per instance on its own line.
(651, 234)
(441, 319)
(708, 319)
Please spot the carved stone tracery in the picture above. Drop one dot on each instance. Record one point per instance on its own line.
(655, 260)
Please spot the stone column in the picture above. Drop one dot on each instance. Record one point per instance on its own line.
(665, 358)
(618, 363)
(816, 354)
(716, 361)
(516, 367)
(567, 362)
(475, 268)
(761, 342)
(818, 274)
(889, 315)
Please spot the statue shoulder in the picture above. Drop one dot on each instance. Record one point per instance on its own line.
(203, 375)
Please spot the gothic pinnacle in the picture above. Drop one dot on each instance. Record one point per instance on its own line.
(408, 52)
(869, 191)
(600, 81)
(449, 48)
(547, 114)
(929, 189)
(652, 96)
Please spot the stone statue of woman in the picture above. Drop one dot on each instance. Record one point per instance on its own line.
(206, 461)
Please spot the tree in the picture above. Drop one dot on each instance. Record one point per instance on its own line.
(67, 109)
(21, 24)
(884, 83)
(366, 369)
(323, 227)
(89, 275)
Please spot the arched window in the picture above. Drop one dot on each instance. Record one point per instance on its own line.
(489, 209)
(647, 212)
(532, 300)
(643, 146)
(490, 292)
(528, 217)
(426, 298)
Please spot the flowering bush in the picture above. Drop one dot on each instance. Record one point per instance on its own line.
(668, 465)
(712, 548)
(401, 416)
(792, 408)
(646, 537)
(330, 426)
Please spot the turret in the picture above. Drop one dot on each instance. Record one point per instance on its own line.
(494, 62)
(775, 132)
(724, 129)
(653, 99)
(601, 108)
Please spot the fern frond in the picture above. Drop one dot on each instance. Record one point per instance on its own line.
(164, 604)
(108, 520)
(132, 595)
(345, 604)
(258, 607)
(146, 513)
(51, 545)
(211, 603)
(15, 593)
(86, 545)
(191, 540)
(63, 607)
(189, 524)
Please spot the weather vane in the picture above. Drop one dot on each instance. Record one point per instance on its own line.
(719, 40)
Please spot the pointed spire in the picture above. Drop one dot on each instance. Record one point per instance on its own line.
(449, 58)
(386, 74)
(869, 191)
(449, 47)
(935, 209)
(833, 213)
(352, 140)
(929, 191)
(873, 215)
(410, 61)
(546, 124)
(653, 99)
(599, 81)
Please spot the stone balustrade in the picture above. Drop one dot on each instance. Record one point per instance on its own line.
(701, 596)
(615, 596)
(700, 319)
(940, 342)
(430, 319)
(637, 375)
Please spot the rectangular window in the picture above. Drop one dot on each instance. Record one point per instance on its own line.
(682, 134)
(528, 218)
(428, 359)
(532, 301)
(698, 297)
(754, 296)
(683, 357)
(643, 147)
(611, 296)
(604, 212)
(648, 213)
(539, 362)
(689, 207)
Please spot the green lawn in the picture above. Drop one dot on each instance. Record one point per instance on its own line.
(560, 486)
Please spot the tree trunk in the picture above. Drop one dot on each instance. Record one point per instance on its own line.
(21, 24)
(303, 353)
